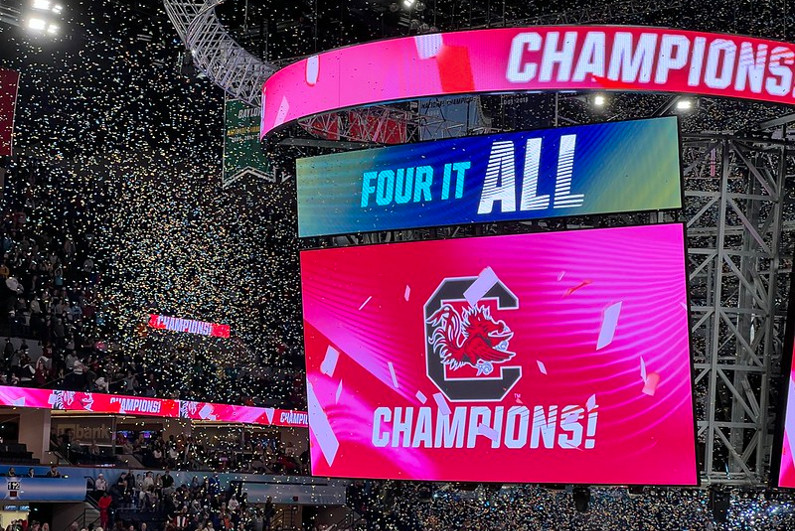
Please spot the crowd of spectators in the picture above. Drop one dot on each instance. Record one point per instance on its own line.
(59, 332)
(409, 506)
(148, 501)
(260, 455)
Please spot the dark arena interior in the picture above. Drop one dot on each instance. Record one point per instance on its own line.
(397, 265)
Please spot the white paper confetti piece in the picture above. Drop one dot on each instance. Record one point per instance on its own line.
(269, 411)
(444, 409)
(320, 426)
(407, 293)
(591, 403)
(683, 305)
(338, 393)
(650, 385)
(609, 323)
(541, 366)
(428, 45)
(365, 303)
(561, 275)
(488, 432)
(642, 369)
(485, 281)
(330, 361)
(312, 69)
(421, 397)
(281, 114)
(394, 376)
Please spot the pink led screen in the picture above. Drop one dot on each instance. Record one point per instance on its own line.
(544, 358)
(531, 59)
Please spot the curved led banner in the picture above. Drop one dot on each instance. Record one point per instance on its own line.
(531, 59)
(558, 357)
(102, 403)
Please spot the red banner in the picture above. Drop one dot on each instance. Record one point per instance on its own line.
(9, 82)
(176, 324)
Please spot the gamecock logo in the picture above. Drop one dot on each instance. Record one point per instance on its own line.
(460, 335)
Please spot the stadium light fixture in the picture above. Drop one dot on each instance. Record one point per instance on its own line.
(408, 4)
(599, 100)
(37, 24)
(52, 29)
(57, 8)
(684, 104)
(43, 5)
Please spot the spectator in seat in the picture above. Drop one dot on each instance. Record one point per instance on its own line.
(101, 484)
(53, 472)
(11, 472)
(104, 509)
(31, 472)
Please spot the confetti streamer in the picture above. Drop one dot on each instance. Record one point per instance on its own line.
(444, 409)
(609, 323)
(541, 367)
(421, 397)
(330, 361)
(650, 385)
(407, 293)
(591, 403)
(320, 426)
(428, 46)
(312, 69)
(489, 432)
(394, 376)
(485, 281)
(575, 288)
(365, 303)
(338, 393)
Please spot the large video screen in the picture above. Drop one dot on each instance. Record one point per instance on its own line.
(568, 171)
(545, 358)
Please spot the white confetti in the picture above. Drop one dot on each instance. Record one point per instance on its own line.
(365, 303)
(609, 323)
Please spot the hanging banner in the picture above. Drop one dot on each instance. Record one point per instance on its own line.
(603, 168)
(243, 155)
(9, 83)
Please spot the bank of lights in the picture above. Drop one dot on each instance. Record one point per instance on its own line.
(599, 100)
(408, 4)
(46, 5)
(684, 105)
(39, 24)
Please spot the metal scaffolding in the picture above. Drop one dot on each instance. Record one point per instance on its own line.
(735, 189)
(226, 63)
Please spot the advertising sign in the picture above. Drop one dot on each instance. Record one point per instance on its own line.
(571, 171)
(25, 489)
(9, 83)
(531, 59)
(545, 358)
(244, 414)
